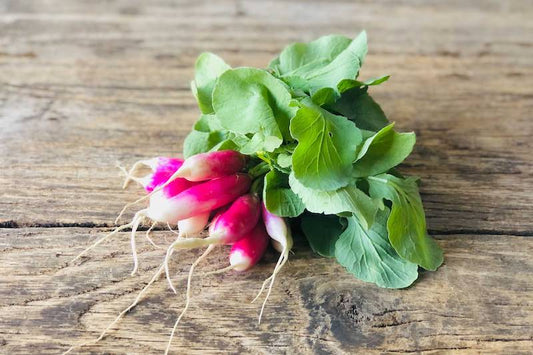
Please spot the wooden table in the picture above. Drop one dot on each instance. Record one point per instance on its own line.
(85, 84)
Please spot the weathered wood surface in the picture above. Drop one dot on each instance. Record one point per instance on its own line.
(86, 84)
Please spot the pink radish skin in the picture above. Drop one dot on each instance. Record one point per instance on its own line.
(247, 251)
(197, 199)
(193, 225)
(162, 169)
(201, 167)
(212, 165)
(239, 219)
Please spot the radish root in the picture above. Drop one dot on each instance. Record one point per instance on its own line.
(150, 239)
(139, 216)
(219, 271)
(101, 240)
(186, 243)
(281, 262)
(187, 295)
(129, 174)
(122, 314)
(172, 230)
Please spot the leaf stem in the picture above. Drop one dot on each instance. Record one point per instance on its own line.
(257, 186)
(258, 170)
(378, 179)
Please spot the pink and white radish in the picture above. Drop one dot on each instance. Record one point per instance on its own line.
(247, 251)
(201, 167)
(239, 219)
(212, 165)
(162, 169)
(278, 229)
(168, 207)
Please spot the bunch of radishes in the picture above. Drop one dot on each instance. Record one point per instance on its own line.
(208, 190)
(188, 193)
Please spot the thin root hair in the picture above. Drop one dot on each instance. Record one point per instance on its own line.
(101, 240)
(122, 314)
(188, 294)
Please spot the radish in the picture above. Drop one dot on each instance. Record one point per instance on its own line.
(200, 198)
(201, 167)
(244, 254)
(193, 225)
(240, 218)
(282, 241)
(247, 251)
(211, 165)
(162, 169)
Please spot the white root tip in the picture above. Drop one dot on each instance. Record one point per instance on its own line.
(173, 231)
(129, 174)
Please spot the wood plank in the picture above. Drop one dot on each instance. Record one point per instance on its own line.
(73, 102)
(476, 302)
(86, 84)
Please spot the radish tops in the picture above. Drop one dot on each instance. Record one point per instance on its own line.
(324, 152)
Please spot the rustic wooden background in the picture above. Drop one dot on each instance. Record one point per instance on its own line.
(84, 84)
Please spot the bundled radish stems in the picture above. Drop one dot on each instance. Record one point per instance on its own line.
(301, 140)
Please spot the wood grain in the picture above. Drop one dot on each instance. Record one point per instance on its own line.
(84, 85)
(476, 302)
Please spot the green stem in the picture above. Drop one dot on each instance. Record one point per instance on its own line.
(258, 170)
(257, 186)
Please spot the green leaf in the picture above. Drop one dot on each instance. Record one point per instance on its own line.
(279, 198)
(207, 123)
(346, 199)
(326, 148)
(407, 221)
(208, 68)
(325, 96)
(305, 55)
(207, 135)
(359, 107)
(322, 63)
(383, 151)
(284, 160)
(200, 142)
(347, 84)
(368, 255)
(226, 144)
(322, 232)
(251, 101)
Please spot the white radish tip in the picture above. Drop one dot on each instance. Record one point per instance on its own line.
(239, 261)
